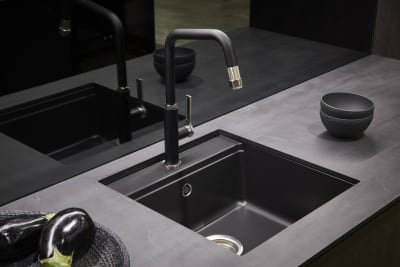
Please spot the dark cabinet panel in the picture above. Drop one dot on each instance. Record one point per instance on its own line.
(346, 23)
(387, 33)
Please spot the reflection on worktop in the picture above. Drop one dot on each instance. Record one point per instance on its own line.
(75, 124)
(33, 53)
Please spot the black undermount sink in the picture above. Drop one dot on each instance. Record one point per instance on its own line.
(74, 121)
(231, 186)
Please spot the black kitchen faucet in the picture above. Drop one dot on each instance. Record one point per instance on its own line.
(172, 133)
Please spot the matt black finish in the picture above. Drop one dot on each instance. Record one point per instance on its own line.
(19, 235)
(185, 60)
(171, 129)
(70, 231)
(339, 22)
(346, 106)
(72, 122)
(247, 191)
(345, 128)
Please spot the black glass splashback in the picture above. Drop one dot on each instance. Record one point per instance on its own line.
(33, 53)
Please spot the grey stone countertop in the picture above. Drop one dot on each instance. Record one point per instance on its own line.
(288, 122)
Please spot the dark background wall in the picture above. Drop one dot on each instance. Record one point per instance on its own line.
(387, 32)
(33, 53)
(346, 23)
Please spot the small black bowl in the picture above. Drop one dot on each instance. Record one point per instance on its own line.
(345, 128)
(183, 55)
(182, 71)
(346, 106)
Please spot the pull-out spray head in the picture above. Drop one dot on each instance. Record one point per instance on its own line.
(65, 22)
(65, 27)
(235, 81)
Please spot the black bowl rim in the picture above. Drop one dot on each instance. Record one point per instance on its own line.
(182, 71)
(191, 56)
(162, 65)
(345, 128)
(343, 112)
(177, 62)
(347, 119)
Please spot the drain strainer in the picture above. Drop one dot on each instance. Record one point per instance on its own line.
(228, 242)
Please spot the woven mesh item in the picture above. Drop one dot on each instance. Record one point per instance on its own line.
(107, 249)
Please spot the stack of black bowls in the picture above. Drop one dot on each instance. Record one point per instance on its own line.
(346, 115)
(185, 60)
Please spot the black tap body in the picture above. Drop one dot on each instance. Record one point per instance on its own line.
(172, 133)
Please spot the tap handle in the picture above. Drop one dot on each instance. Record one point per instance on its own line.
(188, 110)
(187, 130)
(139, 89)
(140, 109)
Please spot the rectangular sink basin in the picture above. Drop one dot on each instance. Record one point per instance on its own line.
(232, 187)
(71, 122)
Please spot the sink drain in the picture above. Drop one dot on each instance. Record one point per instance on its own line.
(186, 190)
(228, 242)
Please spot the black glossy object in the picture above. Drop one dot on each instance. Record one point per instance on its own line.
(345, 128)
(242, 189)
(70, 231)
(72, 122)
(183, 55)
(346, 105)
(19, 235)
(182, 71)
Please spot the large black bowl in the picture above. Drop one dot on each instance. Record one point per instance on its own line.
(182, 71)
(345, 128)
(183, 55)
(346, 106)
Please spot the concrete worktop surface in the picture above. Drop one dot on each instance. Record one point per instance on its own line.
(289, 122)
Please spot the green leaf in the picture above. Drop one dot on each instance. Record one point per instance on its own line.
(57, 260)
(49, 216)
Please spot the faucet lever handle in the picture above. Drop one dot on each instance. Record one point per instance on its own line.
(188, 110)
(139, 89)
(187, 130)
(140, 110)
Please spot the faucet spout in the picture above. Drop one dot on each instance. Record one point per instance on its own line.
(171, 131)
